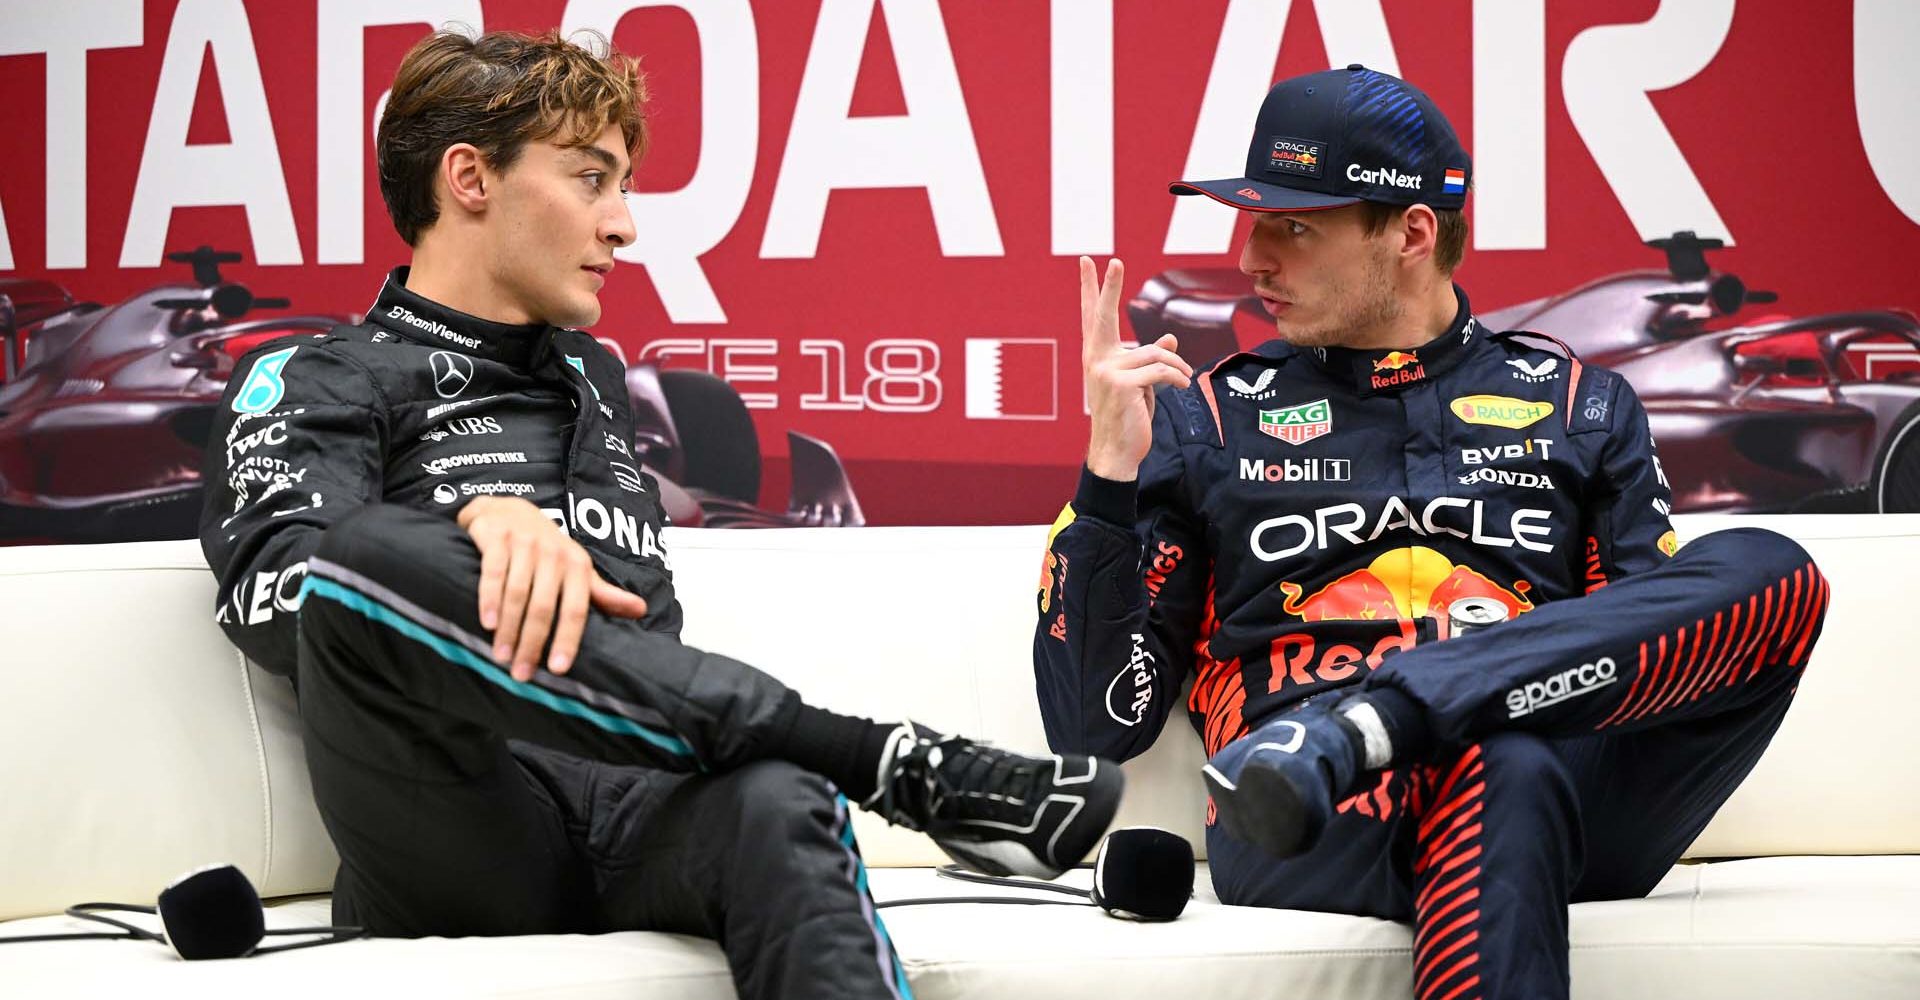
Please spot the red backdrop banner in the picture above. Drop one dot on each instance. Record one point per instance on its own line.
(864, 214)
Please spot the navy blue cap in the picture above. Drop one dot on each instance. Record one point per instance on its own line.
(1342, 136)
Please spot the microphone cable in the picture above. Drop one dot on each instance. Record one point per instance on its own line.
(1084, 897)
(131, 932)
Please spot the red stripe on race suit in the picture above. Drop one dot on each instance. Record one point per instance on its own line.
(1774, 626)
(1447, 861)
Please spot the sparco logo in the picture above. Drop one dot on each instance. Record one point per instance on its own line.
(439, 466)
(1531, 480)
(1571, 683)
(1304, 470)
(440, 330)
(1384, 175)
(1131, 709)
(1599, 398)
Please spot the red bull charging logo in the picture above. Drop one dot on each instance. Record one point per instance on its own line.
(1398, 586)
(1404, 584)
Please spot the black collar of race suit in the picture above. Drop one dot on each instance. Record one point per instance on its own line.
(1390, 371)
(421, 320)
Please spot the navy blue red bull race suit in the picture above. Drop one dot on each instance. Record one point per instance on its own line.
(1302, 523)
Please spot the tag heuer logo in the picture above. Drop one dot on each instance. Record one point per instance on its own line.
(1298, 424)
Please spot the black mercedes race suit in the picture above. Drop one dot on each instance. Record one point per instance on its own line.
(1304, 521)
(628, 793)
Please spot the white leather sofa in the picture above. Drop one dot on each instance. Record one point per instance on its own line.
(135, 744)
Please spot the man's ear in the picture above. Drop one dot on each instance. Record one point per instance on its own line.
(464, 173)
(1421, 229)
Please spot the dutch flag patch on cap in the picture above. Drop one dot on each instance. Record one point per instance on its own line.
(1455, 182)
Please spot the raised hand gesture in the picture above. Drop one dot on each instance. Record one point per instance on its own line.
(1120, 380)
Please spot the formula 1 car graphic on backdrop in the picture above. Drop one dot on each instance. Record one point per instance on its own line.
(1765, 412)
(105, 412)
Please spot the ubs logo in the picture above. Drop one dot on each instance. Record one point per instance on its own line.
(451, 373)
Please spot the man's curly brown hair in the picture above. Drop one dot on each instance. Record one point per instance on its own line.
(499, 92)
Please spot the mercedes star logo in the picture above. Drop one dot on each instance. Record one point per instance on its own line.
(451, 373)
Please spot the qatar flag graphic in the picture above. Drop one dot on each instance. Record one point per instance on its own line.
(1012, 379)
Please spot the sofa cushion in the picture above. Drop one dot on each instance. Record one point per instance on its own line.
(138, 743)
(570, 966)
(1788, 926)
(1799, 926)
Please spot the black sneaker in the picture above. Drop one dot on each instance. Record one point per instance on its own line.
(993, 810)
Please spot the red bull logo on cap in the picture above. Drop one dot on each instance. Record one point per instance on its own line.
(1298, 424)
(1291, 155)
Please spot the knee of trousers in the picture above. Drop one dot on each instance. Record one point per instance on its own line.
(1512, 785)
(1767, 555)
(780, 803)
(787, 836)
(1755, 561)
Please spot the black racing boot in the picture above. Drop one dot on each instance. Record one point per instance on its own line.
(993, 810)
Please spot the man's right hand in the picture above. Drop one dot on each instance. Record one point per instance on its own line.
(535, 580)
(1119, 380)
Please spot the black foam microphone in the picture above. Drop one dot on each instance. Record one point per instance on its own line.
(212, 912)
(1143, 873)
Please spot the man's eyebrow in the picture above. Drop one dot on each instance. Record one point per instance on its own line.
(606, 159)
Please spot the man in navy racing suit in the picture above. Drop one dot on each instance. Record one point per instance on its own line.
(434, 523)
(1292, 527)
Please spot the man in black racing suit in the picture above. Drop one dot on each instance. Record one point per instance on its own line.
(1292, 528)
(412, 518)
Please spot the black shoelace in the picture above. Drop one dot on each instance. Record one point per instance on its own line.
(973, 781)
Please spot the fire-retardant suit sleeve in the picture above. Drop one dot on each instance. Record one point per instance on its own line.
(1121, 599)
(295, 447)
(1629, 528)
